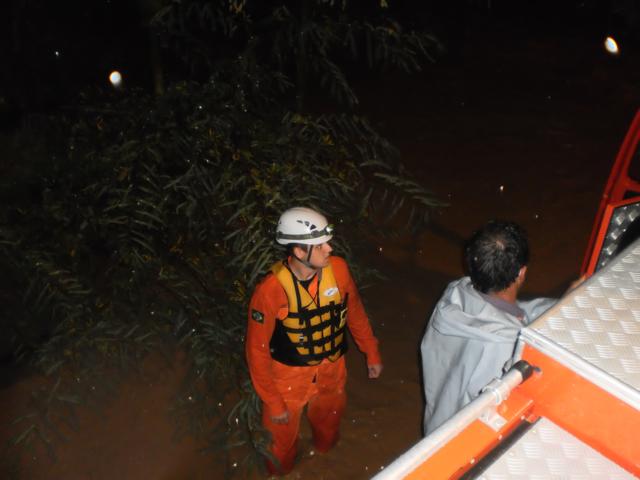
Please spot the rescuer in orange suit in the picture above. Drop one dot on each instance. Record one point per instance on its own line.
(296, 337)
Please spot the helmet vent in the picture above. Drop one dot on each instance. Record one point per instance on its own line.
(308, 224)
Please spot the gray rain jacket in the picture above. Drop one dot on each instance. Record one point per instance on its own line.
(468, 343)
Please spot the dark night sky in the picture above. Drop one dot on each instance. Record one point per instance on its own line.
(57, 49)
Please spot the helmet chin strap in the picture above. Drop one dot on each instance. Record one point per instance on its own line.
(306, 262)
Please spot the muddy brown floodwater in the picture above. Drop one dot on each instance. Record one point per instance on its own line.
(521, 126)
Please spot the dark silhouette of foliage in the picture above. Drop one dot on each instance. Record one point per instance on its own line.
(150, 225)
(308, 40)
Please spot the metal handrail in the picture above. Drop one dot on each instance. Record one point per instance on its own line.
(493, 394)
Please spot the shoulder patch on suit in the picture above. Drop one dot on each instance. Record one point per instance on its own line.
(257, 316)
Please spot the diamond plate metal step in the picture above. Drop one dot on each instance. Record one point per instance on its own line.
(595, 329)
(547, 451)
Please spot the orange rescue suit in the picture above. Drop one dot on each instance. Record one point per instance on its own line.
(319, 382)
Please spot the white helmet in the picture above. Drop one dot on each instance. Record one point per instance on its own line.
(303, 225)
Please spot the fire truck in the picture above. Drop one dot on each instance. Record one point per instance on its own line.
(569, 408)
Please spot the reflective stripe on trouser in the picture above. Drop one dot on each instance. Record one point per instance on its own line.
(326, 399)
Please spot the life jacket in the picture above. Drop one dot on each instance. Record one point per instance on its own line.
(314, 328)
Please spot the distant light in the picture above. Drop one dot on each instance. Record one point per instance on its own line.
(115, 78)
(611, 46)
(57, 53)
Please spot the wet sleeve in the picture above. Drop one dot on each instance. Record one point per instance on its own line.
(357, 319)
(263, 310)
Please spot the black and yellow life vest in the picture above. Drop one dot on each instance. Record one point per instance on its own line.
(314, 328)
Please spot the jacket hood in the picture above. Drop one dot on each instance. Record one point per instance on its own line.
(462, 312)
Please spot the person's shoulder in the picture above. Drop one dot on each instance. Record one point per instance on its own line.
(463, 283)
(458, 290)
(269, 293)
(338, 263)
(341, 272)
(267, 283)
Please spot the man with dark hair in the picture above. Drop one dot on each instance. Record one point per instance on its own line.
(472, 332)
(495, 255)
